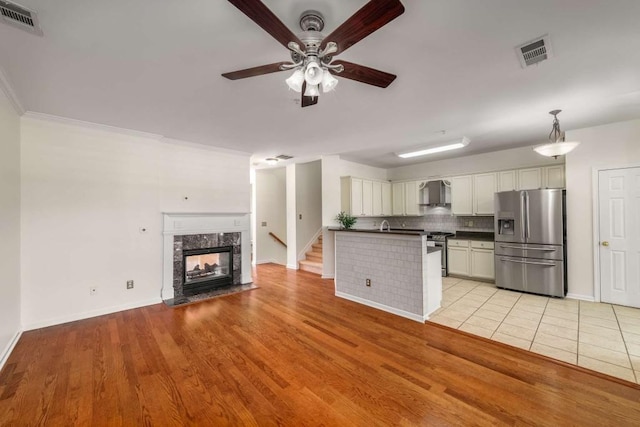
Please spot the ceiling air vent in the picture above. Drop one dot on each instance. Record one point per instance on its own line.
(284, 157)
(535, 51)
(19, 17)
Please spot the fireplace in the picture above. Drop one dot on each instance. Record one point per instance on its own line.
(207, 269)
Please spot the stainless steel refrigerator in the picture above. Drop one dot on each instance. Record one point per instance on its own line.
(531, 241)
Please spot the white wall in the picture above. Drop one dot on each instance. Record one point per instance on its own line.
(270, 208)
(308, 203)
(608, 146)
(87, 193)
(9, 225)
(498, 160)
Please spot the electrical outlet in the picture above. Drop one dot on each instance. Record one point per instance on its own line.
(368, 282)
(93, 290)
(263, 223)
(300, 216)
(129, 284)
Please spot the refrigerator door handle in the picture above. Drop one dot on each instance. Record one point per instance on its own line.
(527, 248)
(522, 216)
(526, 201)
(528, 262)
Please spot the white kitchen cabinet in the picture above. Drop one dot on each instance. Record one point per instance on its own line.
(376, 198)
(405, 198)
(471, 258)
(473, 194)
(397, 192)
(484, 188)
(553, 176)
(529, 179)
(365, 197)
(411, 198)
(458, 257)
(386, 198)
(462, 195)
(507, 180)
(481, 260)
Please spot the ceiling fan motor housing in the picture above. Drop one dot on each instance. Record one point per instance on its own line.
(311, 20)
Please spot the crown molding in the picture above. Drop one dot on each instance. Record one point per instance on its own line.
(200, 146)
(89, 125)
(8, 90)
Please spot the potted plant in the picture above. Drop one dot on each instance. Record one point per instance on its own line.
(346, 221)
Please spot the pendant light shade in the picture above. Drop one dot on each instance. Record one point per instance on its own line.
(558, 146)
(313, 74)
(328, 82)
(295, 81)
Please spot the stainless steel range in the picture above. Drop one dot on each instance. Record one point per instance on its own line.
(439, 239)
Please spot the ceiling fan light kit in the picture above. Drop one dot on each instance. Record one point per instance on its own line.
(445, 146)
(312, 53)
(558, 146)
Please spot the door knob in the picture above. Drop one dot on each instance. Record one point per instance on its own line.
(605, 243)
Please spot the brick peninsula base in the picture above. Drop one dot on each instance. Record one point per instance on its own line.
(403, 272)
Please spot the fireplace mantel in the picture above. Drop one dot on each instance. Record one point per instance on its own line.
(181, 224)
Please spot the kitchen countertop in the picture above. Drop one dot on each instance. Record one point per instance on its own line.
(474, 235)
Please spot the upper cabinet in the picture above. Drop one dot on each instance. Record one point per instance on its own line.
(507, 180)
(473, 194)
(462, 195)
(406, 198)
(553, 176)
(365, 197)
(529, 179)
(533, 178)
(485, 186)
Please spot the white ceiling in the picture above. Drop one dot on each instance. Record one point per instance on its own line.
(155, 65)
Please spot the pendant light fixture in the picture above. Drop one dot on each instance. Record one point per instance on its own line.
(558, 146)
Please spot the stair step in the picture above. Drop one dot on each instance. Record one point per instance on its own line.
(314, 256)
(311, 266)
(317, 246)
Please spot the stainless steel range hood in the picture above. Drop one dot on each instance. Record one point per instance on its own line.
(437, 194)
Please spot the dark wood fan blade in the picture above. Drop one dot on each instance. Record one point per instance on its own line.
(371, 17)
(363, 74)
(267, 20)
(255, 71)
(308, 100)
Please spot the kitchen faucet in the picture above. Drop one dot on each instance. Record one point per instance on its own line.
(384, 221)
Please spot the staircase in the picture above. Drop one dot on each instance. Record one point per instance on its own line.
(313, 261)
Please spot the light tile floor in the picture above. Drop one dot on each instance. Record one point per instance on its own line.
(598, 336)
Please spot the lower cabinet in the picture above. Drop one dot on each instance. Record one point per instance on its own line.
(471, 258)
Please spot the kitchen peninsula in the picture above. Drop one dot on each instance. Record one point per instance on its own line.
(394, 271)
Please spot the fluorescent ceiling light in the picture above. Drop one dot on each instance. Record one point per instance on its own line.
(450, 145)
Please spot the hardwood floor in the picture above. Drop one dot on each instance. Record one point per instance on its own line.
(291, 353)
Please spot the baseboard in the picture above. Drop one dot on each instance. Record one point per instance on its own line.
(328, 276)
(392, 310)
(89, 314)
(589, 298)
(7, 351)
(292, 267)
(266, 261)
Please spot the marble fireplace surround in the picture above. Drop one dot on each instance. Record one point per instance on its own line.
(191, 224)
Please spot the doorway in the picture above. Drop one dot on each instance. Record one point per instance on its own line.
(619, 235)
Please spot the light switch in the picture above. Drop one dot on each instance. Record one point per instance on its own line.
(264, 223)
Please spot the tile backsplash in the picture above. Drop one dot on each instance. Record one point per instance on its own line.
(432, 222)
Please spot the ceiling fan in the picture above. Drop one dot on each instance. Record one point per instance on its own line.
(312, 53)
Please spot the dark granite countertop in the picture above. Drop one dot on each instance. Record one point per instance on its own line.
(474, 235)
(404, 231)
(432, 249)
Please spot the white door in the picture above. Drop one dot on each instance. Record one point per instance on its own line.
(619, 250)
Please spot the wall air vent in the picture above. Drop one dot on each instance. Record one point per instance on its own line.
(19, 17)
(284, 157)
(535, 51)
